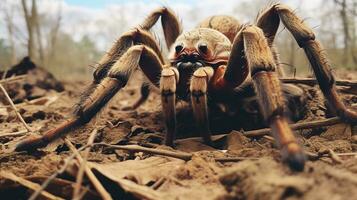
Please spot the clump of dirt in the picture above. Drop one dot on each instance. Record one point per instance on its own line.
(37, 82)
(267, 179)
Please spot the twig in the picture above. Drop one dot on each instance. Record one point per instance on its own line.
(347, 154)
(312, 81)
(28, 184)
(334, 156)
(268, 137)
(77, 188)
(18, 133)
(98, 186)
(159, 183)
(297, 126)
(179, 155)
(266, 131)
(316, 124)
(328, 153)
(4, 155)
(54, 175)
(13, 79)
(46, 101)
(137, 148)
(14, 108)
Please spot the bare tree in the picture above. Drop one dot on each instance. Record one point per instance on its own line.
(354, 33)
(10, 29)
(348, 13)
(54, 34)
(36, 23)
(345, 25)
(33, 30)
(30, 30)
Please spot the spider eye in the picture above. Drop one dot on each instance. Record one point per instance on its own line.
(203, 48)
(179, 48)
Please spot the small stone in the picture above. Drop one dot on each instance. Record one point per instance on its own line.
(236, 140)
(354, 139)
(22, 111)
(39, 115)
(354, 147)
(135, 130)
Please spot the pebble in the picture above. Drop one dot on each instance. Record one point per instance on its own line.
(354, 139)
(136, 130)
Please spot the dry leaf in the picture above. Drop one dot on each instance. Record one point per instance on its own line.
(134, 175)
(142, 172)
(340, 131)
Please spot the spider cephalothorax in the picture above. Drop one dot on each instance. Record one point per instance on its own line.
(212, 60)
(201, 47)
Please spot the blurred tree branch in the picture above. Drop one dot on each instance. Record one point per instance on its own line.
(344, 19)
(30, 30)
(36, 23)
(348, 12)
(54, 33)
(33, 24)
(10, 29)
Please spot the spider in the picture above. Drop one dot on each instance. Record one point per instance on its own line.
(216, 59)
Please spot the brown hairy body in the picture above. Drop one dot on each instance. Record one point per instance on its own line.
(217, 59)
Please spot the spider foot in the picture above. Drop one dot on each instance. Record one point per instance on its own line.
(294, 157)
(29, 144)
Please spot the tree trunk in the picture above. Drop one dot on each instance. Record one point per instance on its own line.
(10, 29)
(292, 56)
(30, 30)
(354, 33)
(54, 34)
(346, 34)
(36, 24)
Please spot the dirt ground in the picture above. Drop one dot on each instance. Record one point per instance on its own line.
(259, 175)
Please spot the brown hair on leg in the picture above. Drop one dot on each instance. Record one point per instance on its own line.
(198, 89)
(168, 81)
(170, 24)
(318, 59)
(268, 20)
(128, 39)
(270, 96)
(103, 92)
(237, 70)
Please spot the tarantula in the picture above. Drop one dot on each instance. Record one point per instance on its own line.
(213, 59)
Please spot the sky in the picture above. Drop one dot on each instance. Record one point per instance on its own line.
(98, 4)
(104, 20)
